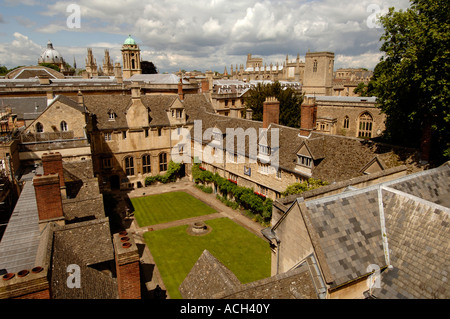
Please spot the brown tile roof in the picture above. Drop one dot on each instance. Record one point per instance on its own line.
(207, 277)
(89, 246)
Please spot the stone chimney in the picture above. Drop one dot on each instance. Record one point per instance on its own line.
(50, 96)
(271, 111)
(118, 73)
(48, 197)
(80, 99)
(127, 266)
(135, 91)
(249, 114)
(308, 116)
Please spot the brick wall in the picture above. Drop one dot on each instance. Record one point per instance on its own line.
(48, 196)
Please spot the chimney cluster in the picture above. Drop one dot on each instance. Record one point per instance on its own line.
(308, 116)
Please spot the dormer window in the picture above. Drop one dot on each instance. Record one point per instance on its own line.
(111, 116)
(264, 150)
(177, 113)
(304, 161)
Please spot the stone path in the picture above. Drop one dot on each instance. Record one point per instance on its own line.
(151, 274)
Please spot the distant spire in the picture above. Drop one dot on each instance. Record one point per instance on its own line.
(74, 63)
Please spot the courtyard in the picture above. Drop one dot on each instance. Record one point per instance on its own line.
(162, 221)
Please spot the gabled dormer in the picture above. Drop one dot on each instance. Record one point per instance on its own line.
(137, 112)
(264, 149)
(305, 161)
(373, 166)
(177, 113)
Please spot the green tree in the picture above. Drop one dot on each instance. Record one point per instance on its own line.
(51, 66)
(3, 70)
(290, 102)
(298, 188)
(411, 79)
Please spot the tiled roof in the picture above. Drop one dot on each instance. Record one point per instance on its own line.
(89, 246)
(207, 277)
(210, 279)
(349, 234)
(19, 244)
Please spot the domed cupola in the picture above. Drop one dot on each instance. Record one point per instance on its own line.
(50, 55)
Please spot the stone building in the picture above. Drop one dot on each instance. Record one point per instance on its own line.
(348, 116)
(58, 227)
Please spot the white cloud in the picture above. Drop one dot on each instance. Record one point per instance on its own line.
(212, 34)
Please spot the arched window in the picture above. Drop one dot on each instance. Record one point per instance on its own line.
(39, 128)
(129, 166)
(315, 66)
(146, 165)
(163, 162)
(64, 127)
(132, 64)
(365, 125)
(346, 122)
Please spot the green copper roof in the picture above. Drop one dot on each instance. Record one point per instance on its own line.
(130, 41)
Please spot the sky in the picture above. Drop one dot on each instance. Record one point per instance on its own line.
(194, 35)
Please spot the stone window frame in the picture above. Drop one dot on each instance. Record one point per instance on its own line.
(39, 127)
(365, 125)
(162, 160)
(304, 161)
(107, 136)
(346, 122)
(64, 127)
(146, 164)
(129, 165)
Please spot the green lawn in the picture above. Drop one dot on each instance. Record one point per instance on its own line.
(167, 207)
(175, 252)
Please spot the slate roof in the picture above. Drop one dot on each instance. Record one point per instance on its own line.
(25, 107)
(19, 244)
(403, 224)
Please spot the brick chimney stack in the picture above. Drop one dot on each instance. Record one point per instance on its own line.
(127, 266)
(308, 116)
(271, 111)
(48, 196)
(52, 164)
(180, 89)
(205, 86)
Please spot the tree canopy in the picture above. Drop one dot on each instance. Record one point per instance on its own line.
(411, 79)
(148, 67)
(290, 102)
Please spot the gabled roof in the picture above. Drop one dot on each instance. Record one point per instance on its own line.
(207, 277)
